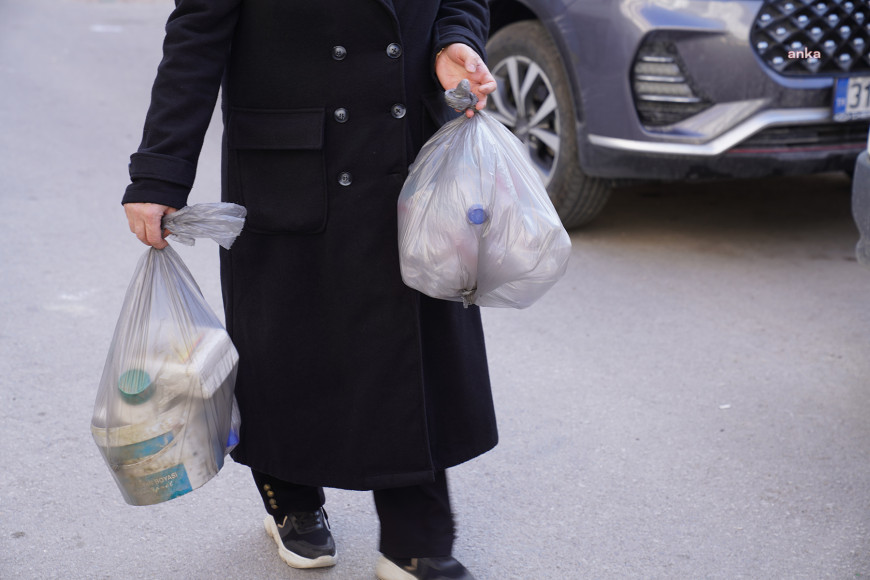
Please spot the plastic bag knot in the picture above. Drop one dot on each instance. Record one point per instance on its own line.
(461, 98)
(222, 222)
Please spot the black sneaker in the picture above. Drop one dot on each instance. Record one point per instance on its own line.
(304, 539)
(445, 568)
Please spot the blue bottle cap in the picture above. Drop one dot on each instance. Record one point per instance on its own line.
(477, 215)
(233, 439)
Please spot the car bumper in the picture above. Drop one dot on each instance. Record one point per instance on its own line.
(740, 152)
(610, 163)
(722, 142)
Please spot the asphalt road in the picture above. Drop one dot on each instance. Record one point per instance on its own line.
(691, 401)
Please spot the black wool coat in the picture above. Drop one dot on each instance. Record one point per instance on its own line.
(347, 377)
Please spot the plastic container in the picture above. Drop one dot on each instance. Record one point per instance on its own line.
(158, 445)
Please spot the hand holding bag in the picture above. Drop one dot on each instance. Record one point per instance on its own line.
(165, 414)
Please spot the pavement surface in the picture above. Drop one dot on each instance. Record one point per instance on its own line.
(691, 401)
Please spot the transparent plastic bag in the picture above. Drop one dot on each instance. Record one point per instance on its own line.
(165, 415)
(475, 222)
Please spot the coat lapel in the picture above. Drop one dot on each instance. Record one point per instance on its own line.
(389, 7)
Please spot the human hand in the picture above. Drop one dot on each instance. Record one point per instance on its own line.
(144, 220)
(459, 61)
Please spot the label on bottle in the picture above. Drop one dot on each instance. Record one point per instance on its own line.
(165, 485)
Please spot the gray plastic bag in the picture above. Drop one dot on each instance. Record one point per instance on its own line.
(165, 414)
(475, 222)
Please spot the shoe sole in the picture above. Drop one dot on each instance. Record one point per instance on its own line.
(386, 570)
(295, 560)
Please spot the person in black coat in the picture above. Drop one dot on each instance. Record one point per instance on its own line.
(347, 377)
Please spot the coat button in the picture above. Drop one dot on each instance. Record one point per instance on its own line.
(341, 115)
(394, 50)
(339, 52)
(398, 111)
(345, 178)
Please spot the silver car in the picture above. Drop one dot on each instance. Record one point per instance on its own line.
(679, 89)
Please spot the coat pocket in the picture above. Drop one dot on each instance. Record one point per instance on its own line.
(277, 169)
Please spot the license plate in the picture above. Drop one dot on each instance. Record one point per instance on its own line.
(852, 98)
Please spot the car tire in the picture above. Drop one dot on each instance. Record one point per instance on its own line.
(523, 56)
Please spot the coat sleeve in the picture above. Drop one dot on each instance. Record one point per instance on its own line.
(195, 51)
(465, 21)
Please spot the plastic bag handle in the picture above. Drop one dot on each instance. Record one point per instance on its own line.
(222, 222)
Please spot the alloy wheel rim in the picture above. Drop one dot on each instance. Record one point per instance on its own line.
(526, 104)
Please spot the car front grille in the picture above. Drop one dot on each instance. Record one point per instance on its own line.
(803, 37)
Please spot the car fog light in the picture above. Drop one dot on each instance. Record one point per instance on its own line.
(663, 91)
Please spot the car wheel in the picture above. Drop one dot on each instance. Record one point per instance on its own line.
(533, 100)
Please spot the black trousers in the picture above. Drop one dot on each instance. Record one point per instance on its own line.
(416, 521)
